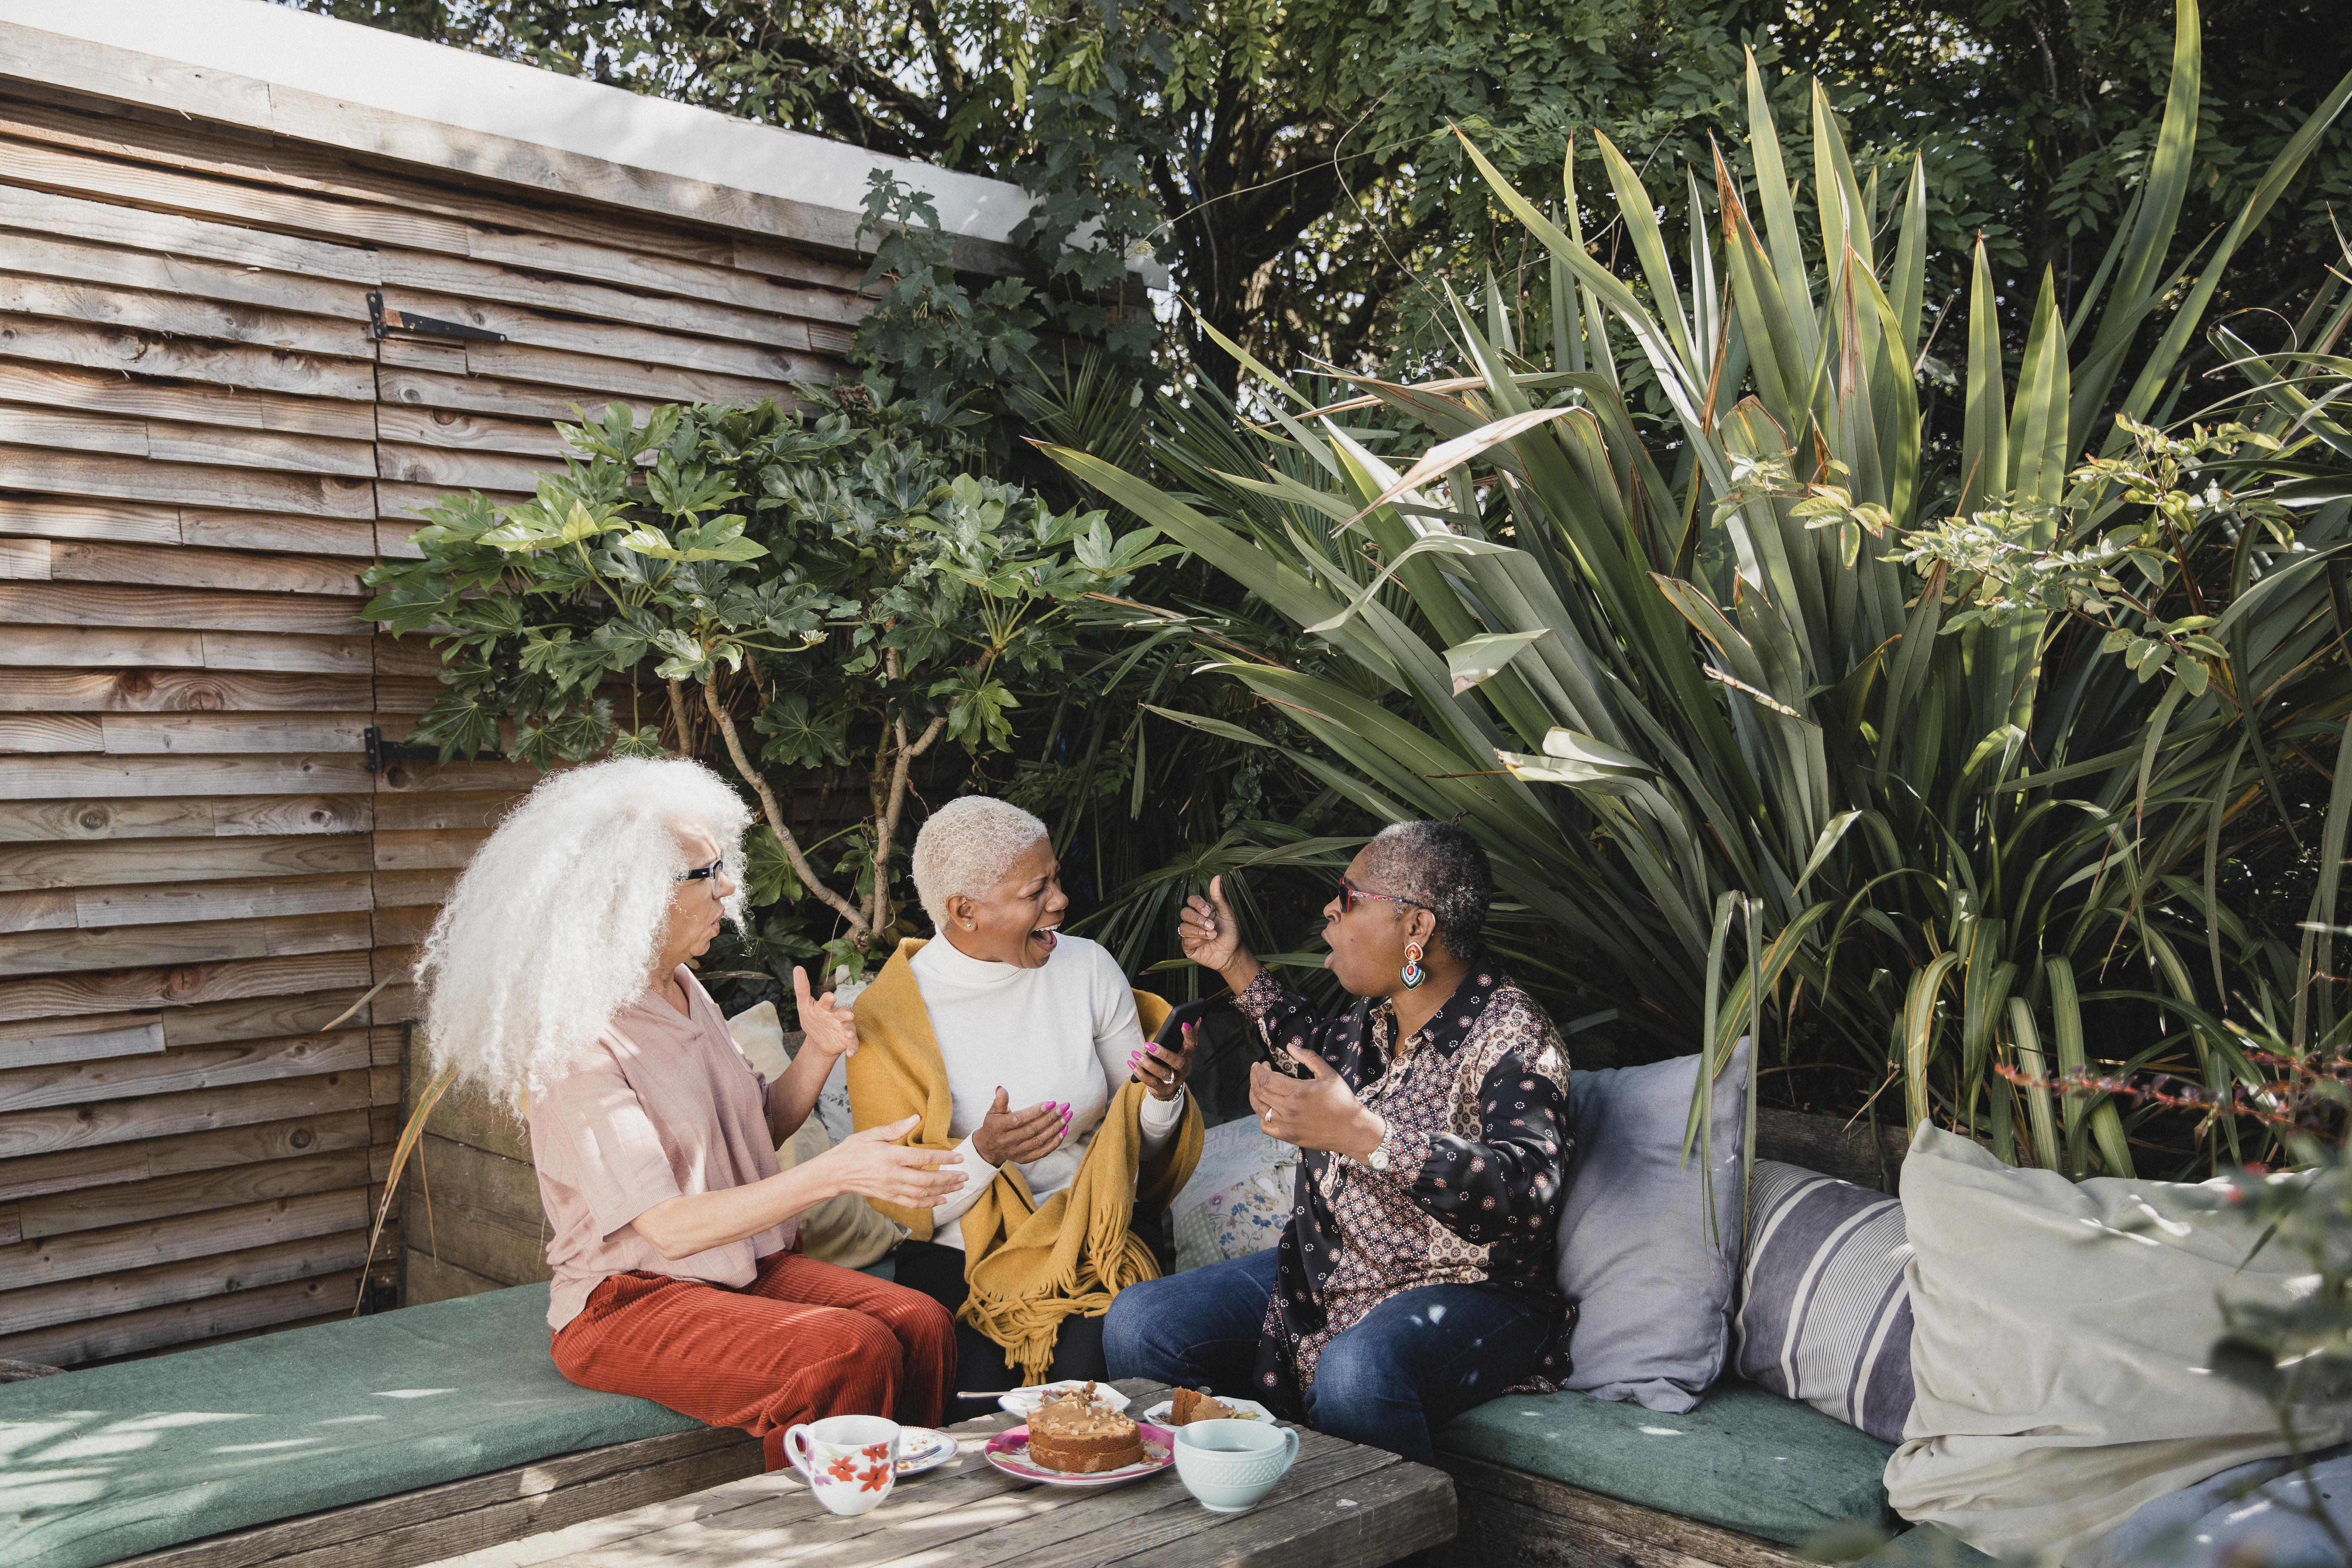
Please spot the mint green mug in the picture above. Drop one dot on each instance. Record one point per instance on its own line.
(1231, 1466)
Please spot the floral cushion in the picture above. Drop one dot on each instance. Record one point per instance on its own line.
(1239, 1198)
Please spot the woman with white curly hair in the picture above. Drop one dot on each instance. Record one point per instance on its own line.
(557, 974)
(1021, 1048)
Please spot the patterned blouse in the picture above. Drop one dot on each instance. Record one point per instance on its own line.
(1476, 1103)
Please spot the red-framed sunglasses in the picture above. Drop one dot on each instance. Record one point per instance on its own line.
(1349, 893)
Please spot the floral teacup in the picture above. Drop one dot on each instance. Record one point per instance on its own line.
(850, 1462)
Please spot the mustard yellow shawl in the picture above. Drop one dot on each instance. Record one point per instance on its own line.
(1026, 1268)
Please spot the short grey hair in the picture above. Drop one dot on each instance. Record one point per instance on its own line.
(1437, 863)
(966, 847)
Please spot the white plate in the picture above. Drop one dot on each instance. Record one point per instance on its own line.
(920, 1450)
(1024, 1402)
(1243, 1409)
(1009, 1452)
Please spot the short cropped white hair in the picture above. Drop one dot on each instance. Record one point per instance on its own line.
(966, 847)
(558, 920)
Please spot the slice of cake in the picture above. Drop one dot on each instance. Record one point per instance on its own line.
(1197, 1404)
(1074, 1433)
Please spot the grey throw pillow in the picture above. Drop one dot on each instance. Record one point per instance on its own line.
(1825, 1315)
(1650, 1278)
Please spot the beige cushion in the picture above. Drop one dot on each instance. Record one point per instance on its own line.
(843, 1229)
(2059, 1347)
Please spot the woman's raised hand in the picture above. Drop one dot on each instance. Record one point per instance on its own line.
(1162, 1071)
(1017, 1137)
(1206, 928)
(829, 1027)
(872, 1164)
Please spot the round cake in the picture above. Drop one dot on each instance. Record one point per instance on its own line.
(1074, 1435)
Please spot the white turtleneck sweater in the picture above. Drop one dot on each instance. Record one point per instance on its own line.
(1061, 1032)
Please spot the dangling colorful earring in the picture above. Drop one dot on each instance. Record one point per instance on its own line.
(1412, 974)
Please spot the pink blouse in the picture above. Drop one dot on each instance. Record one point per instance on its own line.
(658, 1107)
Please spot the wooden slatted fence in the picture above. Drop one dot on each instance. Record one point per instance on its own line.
(201, 448)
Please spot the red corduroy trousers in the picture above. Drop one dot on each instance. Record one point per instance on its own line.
(803, 1341)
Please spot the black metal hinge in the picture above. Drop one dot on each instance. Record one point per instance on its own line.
(383, 322)
(381, 755)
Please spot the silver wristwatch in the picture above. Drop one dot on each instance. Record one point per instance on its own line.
(1378, 1158)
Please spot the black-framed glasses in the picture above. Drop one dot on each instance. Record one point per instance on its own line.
(1349, 893)
(710, 873)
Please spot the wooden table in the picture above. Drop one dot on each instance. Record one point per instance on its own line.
(1342, 1506)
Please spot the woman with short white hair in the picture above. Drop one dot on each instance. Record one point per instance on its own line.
(556, 976)
(1021, 1048)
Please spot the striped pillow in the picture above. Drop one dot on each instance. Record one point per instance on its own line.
(1825, 1315)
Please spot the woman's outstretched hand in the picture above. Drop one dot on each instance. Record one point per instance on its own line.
(826, 1024)
(872, 1164)
(1016, 1136)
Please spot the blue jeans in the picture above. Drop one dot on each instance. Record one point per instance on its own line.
(1414, 1362)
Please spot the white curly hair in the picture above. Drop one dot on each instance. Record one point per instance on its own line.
(557, 922)
(966, 847)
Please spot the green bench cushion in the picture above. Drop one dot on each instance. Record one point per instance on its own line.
(1744, 1460)
(114, 1460)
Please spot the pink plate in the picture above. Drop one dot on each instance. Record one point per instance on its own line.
(1009, 1452)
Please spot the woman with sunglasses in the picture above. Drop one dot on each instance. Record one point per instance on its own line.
(1415, 1279)
(556, 977)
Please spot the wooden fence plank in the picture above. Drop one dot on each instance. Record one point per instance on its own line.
(155, 862)
(84, 1253)
(154, 735)
(49, 732)
(130, 350)
(53, 1040)
(422, 353)
(271, 531)
(679, 279)
(54, 168)
(203, 942)
(182, 403)
(396, 385)
(119, 520)
(470, 432)
(109, 648)
(126, 1120)
(211, 1318)
(227, 1187)
(73, 691)
(486, 1212)
(397, 851)
(800, 265)
(70, 1301)
(135, 479)
(240, 304)
(75, 1168)
(79, 561)
(433, 778)
(177, 316)
(25, 560)
(469, 813)
(259, 1017)
(559, 367)
(106, 604)
(87, 820)
(399, 927)
(52, 910)
(74, 996)
(410, 890)
(758, 357)
(52, 778)
(210, 1151)
(169, 1072)
(43, 212)
(81, 429)
(268, 651)
(443, 470)
(294, 814)
(288, 164)
(269, 898)
(661, 310)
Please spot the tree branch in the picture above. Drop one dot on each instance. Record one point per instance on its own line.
(681, 716)
(776, 823)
